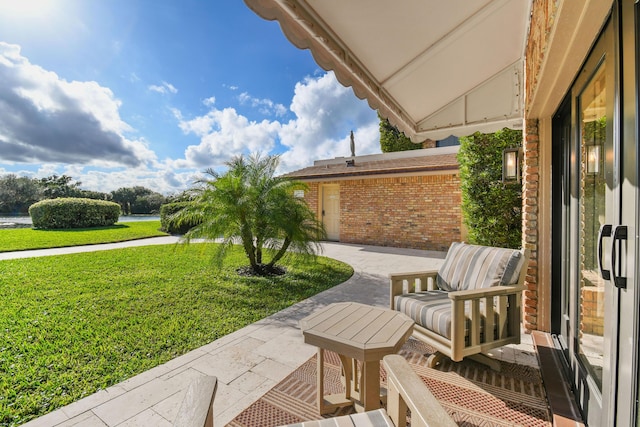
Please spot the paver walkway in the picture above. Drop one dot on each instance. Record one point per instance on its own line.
(251, 360)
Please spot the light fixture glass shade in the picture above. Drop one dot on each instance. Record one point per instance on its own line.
(511, 164)
(593, 159)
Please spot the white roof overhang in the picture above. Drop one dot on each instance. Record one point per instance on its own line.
(434, 68)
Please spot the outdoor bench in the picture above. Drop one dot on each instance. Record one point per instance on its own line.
(472, 304)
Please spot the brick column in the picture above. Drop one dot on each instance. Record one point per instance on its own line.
(530, 194)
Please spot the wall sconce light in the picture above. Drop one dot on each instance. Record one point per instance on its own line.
(511, 165)
(593, 159)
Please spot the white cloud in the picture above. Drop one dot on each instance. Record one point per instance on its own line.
(163, 88)
(223, 135)
(265, 106)
(44, 118)
(325, 113)
(75, 128)
(163, 181)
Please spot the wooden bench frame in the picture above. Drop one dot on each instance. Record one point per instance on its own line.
(503, 302)
(405, 390)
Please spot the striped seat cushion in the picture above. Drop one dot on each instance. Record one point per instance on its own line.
(432, 311)
(476, 267)
(377, 418)
(429, 309)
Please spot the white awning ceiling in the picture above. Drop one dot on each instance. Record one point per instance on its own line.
(434, 68)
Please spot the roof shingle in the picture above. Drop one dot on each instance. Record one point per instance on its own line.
(378, 167)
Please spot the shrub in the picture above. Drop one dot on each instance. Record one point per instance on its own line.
(492, 210)
(73, 213)
(167, 225)
(391, 139)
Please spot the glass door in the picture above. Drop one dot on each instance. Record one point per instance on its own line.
(595, 209)
(594, 212)
(597, 203)
(590, 212)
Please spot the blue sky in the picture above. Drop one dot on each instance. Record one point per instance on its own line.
(117, 93)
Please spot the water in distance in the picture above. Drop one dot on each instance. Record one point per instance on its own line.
(25, 220)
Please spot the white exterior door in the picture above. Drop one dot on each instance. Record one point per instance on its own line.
(330, 207)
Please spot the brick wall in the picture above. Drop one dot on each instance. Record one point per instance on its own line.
(311, 195)
(542, 17)
(530, 196)
(421, 212)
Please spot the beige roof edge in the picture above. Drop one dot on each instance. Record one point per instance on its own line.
(305, 32)
(494, 104)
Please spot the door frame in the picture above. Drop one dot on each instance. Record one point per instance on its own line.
(626, 392)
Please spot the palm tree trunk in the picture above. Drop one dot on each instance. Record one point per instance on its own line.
(259, 251)
(249, 249)
(281, 252)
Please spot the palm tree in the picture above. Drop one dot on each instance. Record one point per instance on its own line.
(250, 204)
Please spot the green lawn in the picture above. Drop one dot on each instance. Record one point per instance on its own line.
(73, 324)
(20, 239)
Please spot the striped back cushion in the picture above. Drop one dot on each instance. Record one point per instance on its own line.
(475, 267)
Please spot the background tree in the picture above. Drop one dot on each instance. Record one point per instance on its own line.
(96, 195)
(391, 139)
(18, 193)
(124, 197)
(250, 203)
(149, 202)
(55, 186)
(491, 209)
(138, 200)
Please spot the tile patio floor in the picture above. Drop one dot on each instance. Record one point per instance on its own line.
(252, 360)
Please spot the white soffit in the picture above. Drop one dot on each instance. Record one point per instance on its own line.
(434, 68)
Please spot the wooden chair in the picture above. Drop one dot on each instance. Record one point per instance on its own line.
(197, 406)
(472, 304)
(405, 390)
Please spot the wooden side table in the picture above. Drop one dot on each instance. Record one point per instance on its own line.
(356, 332)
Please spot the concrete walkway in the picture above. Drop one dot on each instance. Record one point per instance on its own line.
(250, 361)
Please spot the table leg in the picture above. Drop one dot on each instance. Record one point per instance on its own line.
(347, 371)
(370, 392)
(328, 404)
(320, 380)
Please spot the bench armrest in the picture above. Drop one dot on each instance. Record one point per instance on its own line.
(407, 275)
(197, 406)
(416, 281)
(406, 390)
(485, 293)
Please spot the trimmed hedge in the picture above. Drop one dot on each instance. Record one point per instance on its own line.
(168, 226)
(491, 209)
(73, 213)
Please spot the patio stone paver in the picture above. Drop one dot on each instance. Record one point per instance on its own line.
(250, 361)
